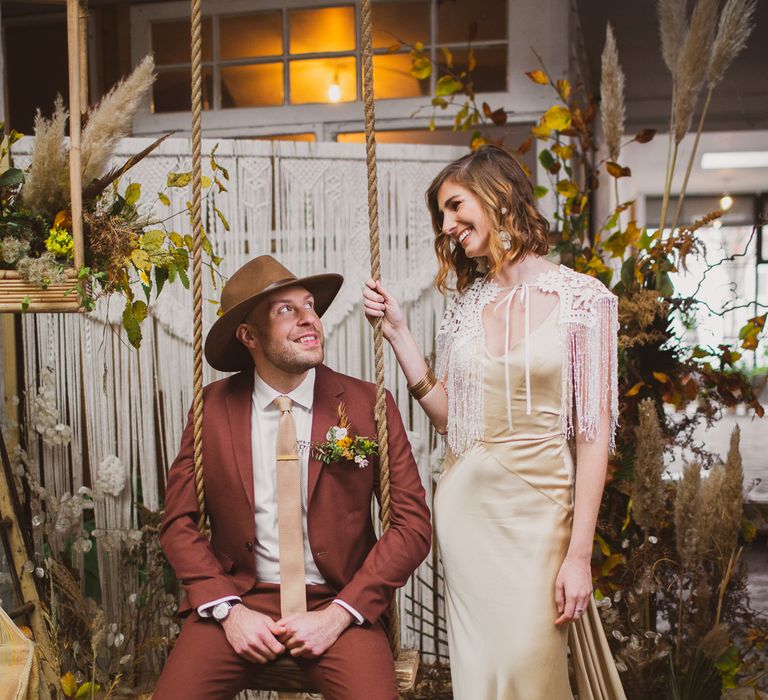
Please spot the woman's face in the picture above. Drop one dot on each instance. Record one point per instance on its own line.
(464, 219)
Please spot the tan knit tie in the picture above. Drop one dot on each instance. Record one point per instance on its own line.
(293, 594)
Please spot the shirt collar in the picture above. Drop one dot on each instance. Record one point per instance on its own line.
(264, 394)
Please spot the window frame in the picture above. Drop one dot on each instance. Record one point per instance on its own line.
(322, 118)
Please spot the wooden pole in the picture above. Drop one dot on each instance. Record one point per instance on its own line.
(18, 555)
(83, 54)
(75, 110)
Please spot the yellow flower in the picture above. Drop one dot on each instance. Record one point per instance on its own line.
(344, 443)
(60, 243)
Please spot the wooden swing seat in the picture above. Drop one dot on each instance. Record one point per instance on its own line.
(284, 674)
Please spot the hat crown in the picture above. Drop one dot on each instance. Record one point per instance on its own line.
(253, 278)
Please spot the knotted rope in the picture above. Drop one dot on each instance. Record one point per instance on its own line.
(378, 333)
(197, 250)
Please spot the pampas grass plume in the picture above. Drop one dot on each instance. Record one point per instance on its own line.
(612, 95)
(42, 189)
(686, 515)
(731, 499)
(647, 486)
(692, 65)
(733, 30)
(112, 118)
(672, 22)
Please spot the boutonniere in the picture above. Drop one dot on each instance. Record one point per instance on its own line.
(341, 443)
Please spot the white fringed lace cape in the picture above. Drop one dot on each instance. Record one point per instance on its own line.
(588, 322)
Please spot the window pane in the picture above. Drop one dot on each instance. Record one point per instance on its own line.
(172, 42)
(248, 36)
(172, 90)
(400, 21)
(324, 30)
(392, 77)
(490, 74)
(454, 18)
(260, 85)
(323, 80)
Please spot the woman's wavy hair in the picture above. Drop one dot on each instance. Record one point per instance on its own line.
(498, 181)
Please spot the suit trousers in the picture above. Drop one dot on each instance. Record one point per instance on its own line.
(203, 665)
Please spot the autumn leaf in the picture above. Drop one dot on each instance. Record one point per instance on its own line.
(567, 188)
(661, 377)
(749, 335)
(557, 118)
(635, 389)
(611, 563)
(472, 61)
(447, 85)
(68, 684)
(539, 191)
(477, 141)
(617, 170)
(140, 258)
(525, 146)
(164, 199)
(487, 111)
(538, 76)
(499, 117)
(421, 67)
(179, 179)
(132, 193)
(447, 56)
(564, 89)
(541, 132)
(394, 48)
(645, 135)
(564, 152)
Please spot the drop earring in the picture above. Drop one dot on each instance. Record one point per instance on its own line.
(504, 236)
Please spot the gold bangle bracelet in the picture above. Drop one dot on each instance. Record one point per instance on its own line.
(424, 386)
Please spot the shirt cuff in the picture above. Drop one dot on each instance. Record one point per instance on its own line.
(358, 617)
(205, 610)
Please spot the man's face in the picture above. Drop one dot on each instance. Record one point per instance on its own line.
(287, 332)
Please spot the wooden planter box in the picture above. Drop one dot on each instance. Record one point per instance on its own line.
(58, 298)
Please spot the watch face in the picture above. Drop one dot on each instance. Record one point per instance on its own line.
(221, 611)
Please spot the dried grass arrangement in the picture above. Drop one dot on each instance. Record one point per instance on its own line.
(125, 249)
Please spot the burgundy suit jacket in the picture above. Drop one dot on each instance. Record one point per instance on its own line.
(364, 571)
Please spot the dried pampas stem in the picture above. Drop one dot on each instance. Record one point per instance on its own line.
(672, 24)
(687, 79)
(647, 486)
(733, 30)
(112, 118)
(612, 99)
(46, 175)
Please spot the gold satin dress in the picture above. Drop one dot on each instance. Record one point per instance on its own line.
(502, 514)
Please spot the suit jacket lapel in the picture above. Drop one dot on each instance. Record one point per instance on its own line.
(239, 407)
(325, 407)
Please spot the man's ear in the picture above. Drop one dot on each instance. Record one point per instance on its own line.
(246, 336)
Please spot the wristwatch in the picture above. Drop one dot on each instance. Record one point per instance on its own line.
(221, 611)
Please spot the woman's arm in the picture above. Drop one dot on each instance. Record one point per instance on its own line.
(380, 304)
(574, 581)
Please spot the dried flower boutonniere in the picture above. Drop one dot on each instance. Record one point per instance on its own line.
(340, 443)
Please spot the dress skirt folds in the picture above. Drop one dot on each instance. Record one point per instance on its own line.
(503, 513)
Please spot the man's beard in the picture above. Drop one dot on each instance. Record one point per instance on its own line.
(289, 360)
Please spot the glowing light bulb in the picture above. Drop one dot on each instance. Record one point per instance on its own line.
(334, 92)
(726, 202)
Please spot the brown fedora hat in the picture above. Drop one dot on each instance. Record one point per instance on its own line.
(253, 281)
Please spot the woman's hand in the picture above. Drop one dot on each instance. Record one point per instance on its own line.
(573, 589)
(378, 303)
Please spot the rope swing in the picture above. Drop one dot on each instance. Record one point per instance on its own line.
(287, 675)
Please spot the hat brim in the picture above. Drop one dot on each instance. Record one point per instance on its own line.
(225, 352)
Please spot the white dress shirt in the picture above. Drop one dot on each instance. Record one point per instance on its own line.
(264, 423)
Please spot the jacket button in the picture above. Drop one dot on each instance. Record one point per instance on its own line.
(249, 546)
